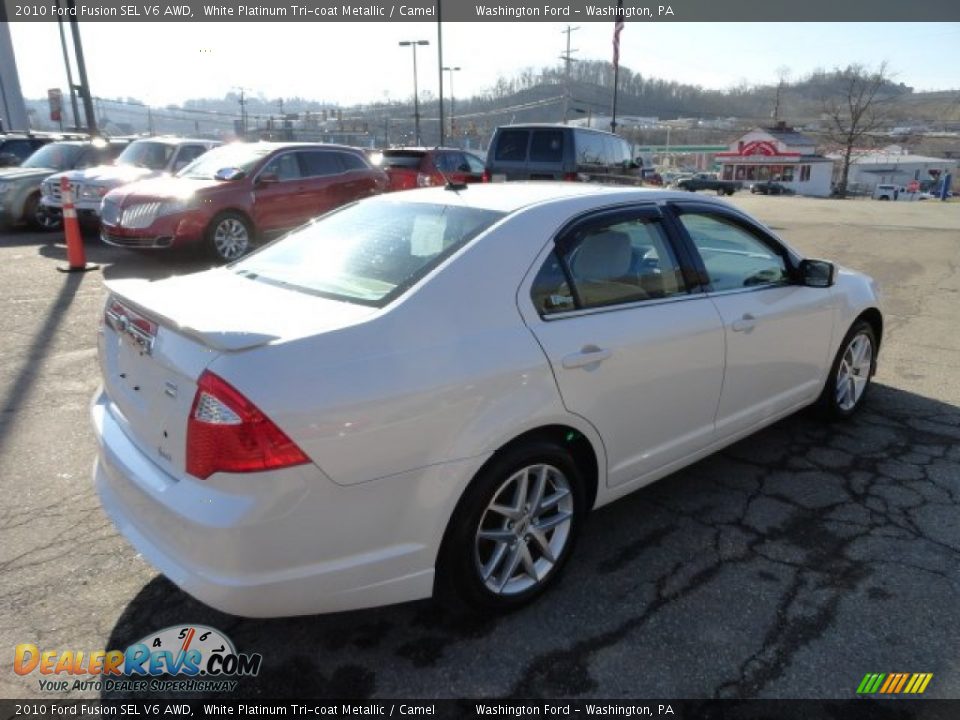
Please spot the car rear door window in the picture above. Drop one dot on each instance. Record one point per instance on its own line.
(350, 161)
(546, 146)
(590, 148)
(320, 163)
(474, 163)
(512, 146)
(609, 263)
(735, 257)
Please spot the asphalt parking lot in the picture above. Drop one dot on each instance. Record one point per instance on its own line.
(789, 565)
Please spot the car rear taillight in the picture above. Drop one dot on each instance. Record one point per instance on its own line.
(571, 176)
(228, 433)
(486, 176)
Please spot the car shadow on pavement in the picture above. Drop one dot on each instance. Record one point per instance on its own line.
(734, 577)
(120, 263)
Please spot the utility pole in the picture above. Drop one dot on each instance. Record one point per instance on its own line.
(568, 58)
(243, 111)
(82, 69)
(412, 44)
(451, 71)
(66, 62)
(440, 67)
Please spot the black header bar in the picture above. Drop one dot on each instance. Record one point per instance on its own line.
(494, 11)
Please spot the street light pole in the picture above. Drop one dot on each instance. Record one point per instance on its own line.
(416, 99)
(451, 71)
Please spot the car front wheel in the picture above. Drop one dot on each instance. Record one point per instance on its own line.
(39, 216)
(851, 371)
(229, 236)
(513, 530)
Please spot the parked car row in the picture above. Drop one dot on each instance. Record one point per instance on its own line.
(156, 193)
(20, 187)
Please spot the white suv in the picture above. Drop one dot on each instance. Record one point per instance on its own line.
(142, 159)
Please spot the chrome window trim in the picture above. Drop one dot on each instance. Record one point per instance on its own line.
(690, 292)
(651, 302)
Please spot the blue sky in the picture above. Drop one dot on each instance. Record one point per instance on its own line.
(360, 62)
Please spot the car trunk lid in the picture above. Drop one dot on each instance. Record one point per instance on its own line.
(158, 338)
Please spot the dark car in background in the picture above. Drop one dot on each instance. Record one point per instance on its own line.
(561, 152)
(20, 186)
(770, 187)
(17, 147)
(410, 168)
(235, 194)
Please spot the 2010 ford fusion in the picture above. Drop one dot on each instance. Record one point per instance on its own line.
(425, 393)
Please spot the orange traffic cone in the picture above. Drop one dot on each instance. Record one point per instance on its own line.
(76, 257)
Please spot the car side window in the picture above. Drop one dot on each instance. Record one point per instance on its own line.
(609, 263)
(319, 164)
(187, 154)
(734, 257)
(351, 161)
(474, 163)
(284, 166)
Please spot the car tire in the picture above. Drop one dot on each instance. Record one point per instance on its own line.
(851, 372)
(503, 548)
(729, 192)
(229, 236)
(38, 217)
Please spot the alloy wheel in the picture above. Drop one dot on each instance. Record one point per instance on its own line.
(231, 238)
(854, 371)
(524, 530)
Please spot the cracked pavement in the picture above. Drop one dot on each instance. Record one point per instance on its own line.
(788, 565)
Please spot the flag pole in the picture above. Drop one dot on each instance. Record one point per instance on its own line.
(617, 29)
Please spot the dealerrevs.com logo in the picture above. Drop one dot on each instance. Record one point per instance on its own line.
(179, 658)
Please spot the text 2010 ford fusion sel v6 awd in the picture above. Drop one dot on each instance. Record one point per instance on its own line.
(426, 392)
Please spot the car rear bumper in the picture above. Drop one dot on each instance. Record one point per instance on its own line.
(279, 543)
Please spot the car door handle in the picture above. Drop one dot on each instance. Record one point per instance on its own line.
(744, 324)
(588, 355)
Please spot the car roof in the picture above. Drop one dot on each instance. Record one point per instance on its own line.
(177, 140)
(508, 197)
(302, 146)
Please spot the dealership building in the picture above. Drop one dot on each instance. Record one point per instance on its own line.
(778, 154)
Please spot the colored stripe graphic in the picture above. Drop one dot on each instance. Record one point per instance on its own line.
(894, 683)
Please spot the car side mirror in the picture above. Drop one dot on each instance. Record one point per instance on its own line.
(229, 174)
(817, 273)
(267, 178)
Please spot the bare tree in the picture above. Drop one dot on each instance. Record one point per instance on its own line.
(854, 107)
(783, 75)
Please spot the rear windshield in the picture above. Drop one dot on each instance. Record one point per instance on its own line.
(367, 253)
(401, 159)
(512, 145)
(546, 146)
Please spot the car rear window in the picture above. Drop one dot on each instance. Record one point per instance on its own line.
(512, 145)
(402, 159)
(369, 252)
(546, 146)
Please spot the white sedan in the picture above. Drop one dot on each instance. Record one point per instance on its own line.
(426, 392)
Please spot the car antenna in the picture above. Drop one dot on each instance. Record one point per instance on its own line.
(448, 184)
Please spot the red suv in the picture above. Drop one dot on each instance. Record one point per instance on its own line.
(235, 193)
(410, 168)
